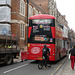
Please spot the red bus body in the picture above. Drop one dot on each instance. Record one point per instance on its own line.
(34, 49)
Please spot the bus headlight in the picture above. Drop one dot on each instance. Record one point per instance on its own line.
(28, 45)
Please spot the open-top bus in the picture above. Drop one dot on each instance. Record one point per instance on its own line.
(43, 30)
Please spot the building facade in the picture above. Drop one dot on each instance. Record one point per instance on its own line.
(19, 19)
(19, 16)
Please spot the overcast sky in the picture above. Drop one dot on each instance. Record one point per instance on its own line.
(67, 7)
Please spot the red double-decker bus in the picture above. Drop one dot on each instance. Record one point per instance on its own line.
(43, 30)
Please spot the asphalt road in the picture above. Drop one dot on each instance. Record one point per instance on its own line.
(30, 67)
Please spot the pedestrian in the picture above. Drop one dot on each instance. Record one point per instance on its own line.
(45, 54)
(72, 52)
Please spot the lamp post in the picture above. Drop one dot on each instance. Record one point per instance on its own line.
(27, 22)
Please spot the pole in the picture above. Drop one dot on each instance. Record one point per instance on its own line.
(27, 21)
(6, 41)
(17, 39)
(27, 11)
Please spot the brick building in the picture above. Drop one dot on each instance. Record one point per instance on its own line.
(42, 4)
(19, 16)
(18, 20)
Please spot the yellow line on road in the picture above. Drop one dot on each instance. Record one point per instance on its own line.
(56, 69)
(59, 66)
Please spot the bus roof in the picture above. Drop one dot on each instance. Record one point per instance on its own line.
(42, 16)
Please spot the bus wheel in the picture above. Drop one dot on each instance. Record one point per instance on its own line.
(8, 59)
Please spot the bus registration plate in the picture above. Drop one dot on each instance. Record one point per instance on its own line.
(39, 57)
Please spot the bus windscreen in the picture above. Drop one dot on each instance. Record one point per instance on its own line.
(41, 31)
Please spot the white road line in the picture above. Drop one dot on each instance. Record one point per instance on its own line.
(15, 68)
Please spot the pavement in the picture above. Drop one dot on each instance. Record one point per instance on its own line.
(66, 70)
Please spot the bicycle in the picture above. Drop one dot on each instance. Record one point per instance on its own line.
(41, 63)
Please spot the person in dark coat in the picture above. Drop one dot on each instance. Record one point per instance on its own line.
(45, 54)
(72, 51)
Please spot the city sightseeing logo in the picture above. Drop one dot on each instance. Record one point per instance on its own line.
(35, 50)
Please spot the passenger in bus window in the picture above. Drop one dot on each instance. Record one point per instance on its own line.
(72, 51)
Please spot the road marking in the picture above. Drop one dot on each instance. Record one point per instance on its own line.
(56, 69)
(15, 68)
(59, 66)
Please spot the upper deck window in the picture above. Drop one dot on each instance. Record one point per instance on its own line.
(42, 21)
(41, 30)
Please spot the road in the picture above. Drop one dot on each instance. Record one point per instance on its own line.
(30, 67)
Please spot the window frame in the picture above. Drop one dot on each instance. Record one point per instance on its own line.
(22, 31)
(22, 7)
(30, 11)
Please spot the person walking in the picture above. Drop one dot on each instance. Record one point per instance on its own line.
(72, 52)
(45, 54)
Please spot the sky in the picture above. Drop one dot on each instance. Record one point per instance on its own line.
(67, 7)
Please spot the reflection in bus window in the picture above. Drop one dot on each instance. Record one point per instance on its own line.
(41, 21)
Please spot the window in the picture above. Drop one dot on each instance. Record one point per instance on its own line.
(30, 11)
(36, 12)
(22, 7)
(22, 31)
(41, 31)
